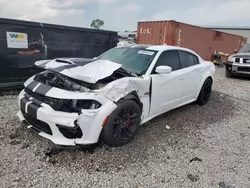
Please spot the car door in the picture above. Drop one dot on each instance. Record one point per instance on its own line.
(191, 73)
(166, 89)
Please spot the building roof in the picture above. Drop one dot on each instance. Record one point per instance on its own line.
(228, 27)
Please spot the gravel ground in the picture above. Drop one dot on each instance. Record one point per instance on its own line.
(205, 147)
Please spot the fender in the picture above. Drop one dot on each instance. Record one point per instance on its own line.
(208, 74)
(133, 96)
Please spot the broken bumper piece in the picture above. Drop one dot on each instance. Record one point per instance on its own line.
(63, 128)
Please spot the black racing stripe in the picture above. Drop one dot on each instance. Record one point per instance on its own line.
(60, 69)
(23, 103)
(32, 85)
(36, 101)
(32, 110)
(43, 89)
(27, 96)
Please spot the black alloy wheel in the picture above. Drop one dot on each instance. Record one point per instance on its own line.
(125, 124)
(122, 125)
(205, 92)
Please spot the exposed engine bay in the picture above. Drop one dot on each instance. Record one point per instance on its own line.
(55, 79)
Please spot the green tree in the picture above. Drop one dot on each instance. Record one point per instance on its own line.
(97, 24)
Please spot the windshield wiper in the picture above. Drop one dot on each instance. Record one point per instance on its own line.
(130, 72)
(138, 73)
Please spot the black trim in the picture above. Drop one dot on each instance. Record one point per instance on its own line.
(150, 95)
(35, 130)
(236, 74)
(32, 110)
(244, 69)
(43, 89)
(70, 132)
(37, 102)
(32, 85)
(150, 90)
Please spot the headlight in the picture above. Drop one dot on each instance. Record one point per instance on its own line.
(230, 58)
(88, 104)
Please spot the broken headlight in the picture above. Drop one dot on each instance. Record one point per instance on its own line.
(87, 104)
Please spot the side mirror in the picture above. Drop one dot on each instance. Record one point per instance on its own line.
(235, 51)
(95, 58)
(163, 69)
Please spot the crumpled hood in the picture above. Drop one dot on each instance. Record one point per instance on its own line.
(91, 72)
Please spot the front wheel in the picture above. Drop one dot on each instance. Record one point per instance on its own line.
(205, 92)
(228, 74)
(122, 125)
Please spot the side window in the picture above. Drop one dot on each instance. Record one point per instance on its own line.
(169, 58)
(196, 60)
(187, 59)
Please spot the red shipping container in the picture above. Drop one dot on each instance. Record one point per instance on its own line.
(202, 41)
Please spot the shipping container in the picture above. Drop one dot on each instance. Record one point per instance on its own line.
(22, 43)
(203, 41)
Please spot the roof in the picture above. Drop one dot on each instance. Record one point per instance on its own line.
(228, 28)
(162, 47)
(156, 47)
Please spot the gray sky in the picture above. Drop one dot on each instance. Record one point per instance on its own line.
(124, 14)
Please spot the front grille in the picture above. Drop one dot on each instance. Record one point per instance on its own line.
(57, 104)
(39, 125)
(237, 60)
(246, 61)
(244, 69)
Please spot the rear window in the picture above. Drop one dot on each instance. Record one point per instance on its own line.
(187, 59)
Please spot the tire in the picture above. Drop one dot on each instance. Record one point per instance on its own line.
(122, 125)
(205, 92)
(228, 74)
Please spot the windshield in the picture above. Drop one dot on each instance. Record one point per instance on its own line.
(136, 60)
(245, 48)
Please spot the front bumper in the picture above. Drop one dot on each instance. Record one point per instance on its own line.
(63, 128)
(238, 68)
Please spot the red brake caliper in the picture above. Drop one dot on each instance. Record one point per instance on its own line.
(128, 121)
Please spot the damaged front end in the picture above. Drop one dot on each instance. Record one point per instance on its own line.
(58, 80)
(66, 107)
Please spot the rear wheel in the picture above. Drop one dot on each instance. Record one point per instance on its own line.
(205, 92)
(122, 125)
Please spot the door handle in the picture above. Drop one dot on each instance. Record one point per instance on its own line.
(182, 78)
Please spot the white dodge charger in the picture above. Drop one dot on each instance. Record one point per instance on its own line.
(81, 101)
